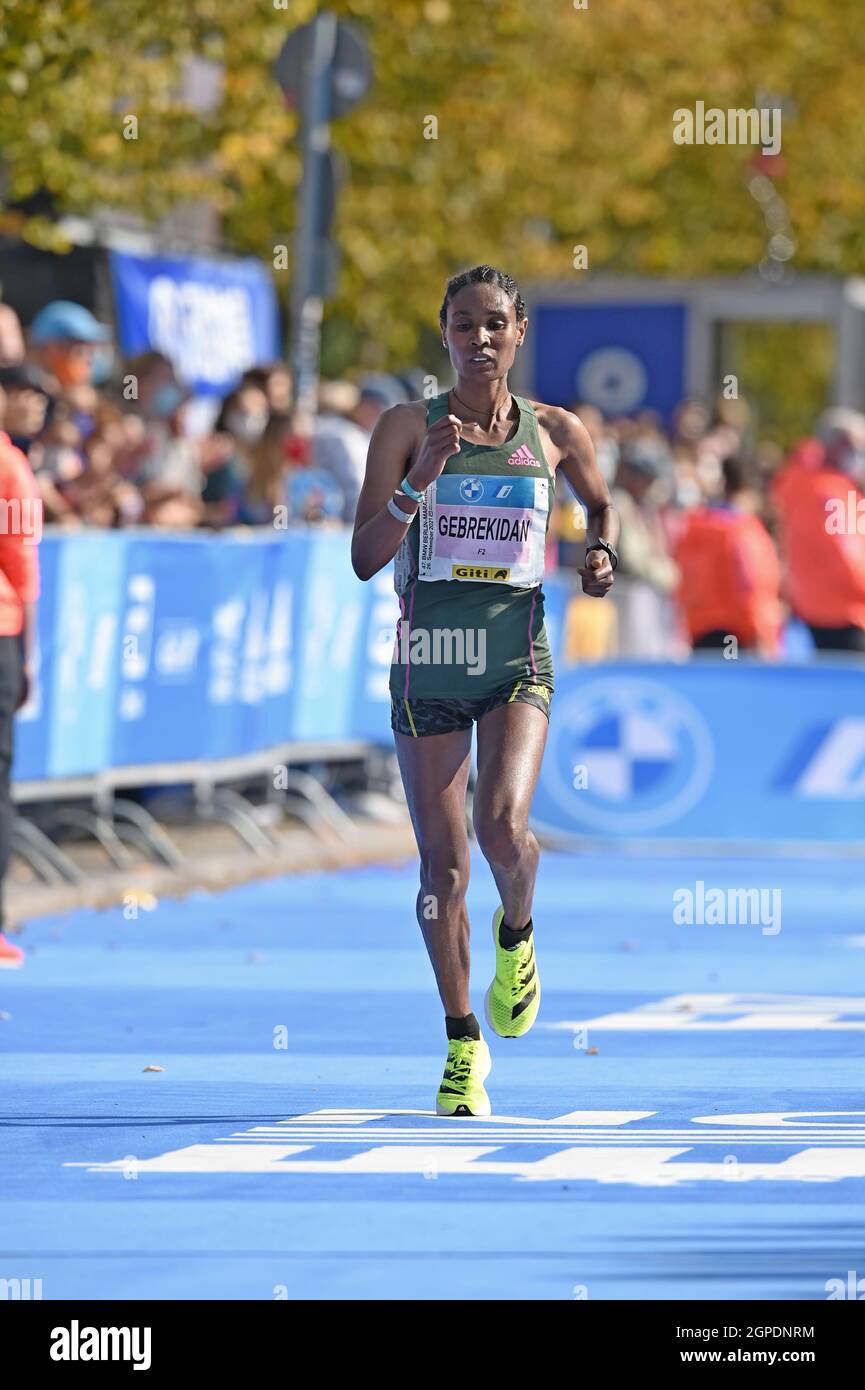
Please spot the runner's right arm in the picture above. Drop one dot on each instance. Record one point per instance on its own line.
(377, 533)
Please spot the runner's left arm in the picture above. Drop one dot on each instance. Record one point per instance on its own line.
(578, 464)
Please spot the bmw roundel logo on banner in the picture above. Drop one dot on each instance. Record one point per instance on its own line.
(471, 489)
(625, 756)
(613, 379)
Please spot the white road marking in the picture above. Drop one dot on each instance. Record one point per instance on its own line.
(701, 1013)
(600, 1150)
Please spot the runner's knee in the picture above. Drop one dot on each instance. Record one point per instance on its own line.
(444, 874)
(502, 838)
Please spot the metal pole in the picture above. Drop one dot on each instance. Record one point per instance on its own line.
(315, 141)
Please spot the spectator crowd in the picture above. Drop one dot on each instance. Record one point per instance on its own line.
(729, 536)
(721, 532)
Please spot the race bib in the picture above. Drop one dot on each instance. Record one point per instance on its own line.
(484, 528)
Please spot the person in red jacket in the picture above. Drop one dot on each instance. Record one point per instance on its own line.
(730, 576)
(821, 512)
(20, 531)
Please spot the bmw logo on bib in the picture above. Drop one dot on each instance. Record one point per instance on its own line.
(627, 755)
(471, 489)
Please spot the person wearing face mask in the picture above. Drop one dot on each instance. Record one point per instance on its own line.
(821, 514)
(65, 341)
(245, 414)
(229, 453)
(150, 387)
(168, 461)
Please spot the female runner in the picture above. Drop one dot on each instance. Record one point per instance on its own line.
(460, 489)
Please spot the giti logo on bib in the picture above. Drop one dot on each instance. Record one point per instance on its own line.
(479, 572)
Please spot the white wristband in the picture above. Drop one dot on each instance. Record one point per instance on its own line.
(398, 513)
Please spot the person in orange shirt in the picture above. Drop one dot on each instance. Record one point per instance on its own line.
(821, 512)
(20, 531)
(730, 576)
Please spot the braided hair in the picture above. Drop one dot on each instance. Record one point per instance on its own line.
(483, 275)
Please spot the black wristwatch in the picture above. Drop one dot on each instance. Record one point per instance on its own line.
(605, 545)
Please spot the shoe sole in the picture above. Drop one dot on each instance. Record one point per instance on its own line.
(487, 1014)
(467, 1113)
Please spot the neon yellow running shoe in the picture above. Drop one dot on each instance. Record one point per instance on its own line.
(513, 999)
(462, 1089)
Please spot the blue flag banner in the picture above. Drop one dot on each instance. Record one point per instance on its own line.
(213, 319)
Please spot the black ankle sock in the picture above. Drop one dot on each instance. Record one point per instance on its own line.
(467, 1027)
(510, 938)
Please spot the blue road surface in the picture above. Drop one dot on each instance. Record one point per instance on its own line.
(686, 1119)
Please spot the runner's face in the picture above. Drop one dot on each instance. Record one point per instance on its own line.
(482, 333)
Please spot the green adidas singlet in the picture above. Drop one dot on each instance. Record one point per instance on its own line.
(469, 570)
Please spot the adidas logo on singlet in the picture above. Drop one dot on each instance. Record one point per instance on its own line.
(523, 455)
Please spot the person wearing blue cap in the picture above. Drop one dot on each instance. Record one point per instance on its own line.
(64, 343)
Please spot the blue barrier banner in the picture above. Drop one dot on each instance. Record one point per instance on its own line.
(166, 602)
(709, 750)
(207, 666)
(241, 587)
(619, 357)
(155, 648)
(329, 640)
(213, 319)
(89, 586)
(161, 648)
(371, 700)
(286, 564)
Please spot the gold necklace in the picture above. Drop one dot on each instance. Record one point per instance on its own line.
(468, 407)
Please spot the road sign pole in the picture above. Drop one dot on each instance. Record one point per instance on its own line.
(307, 304)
